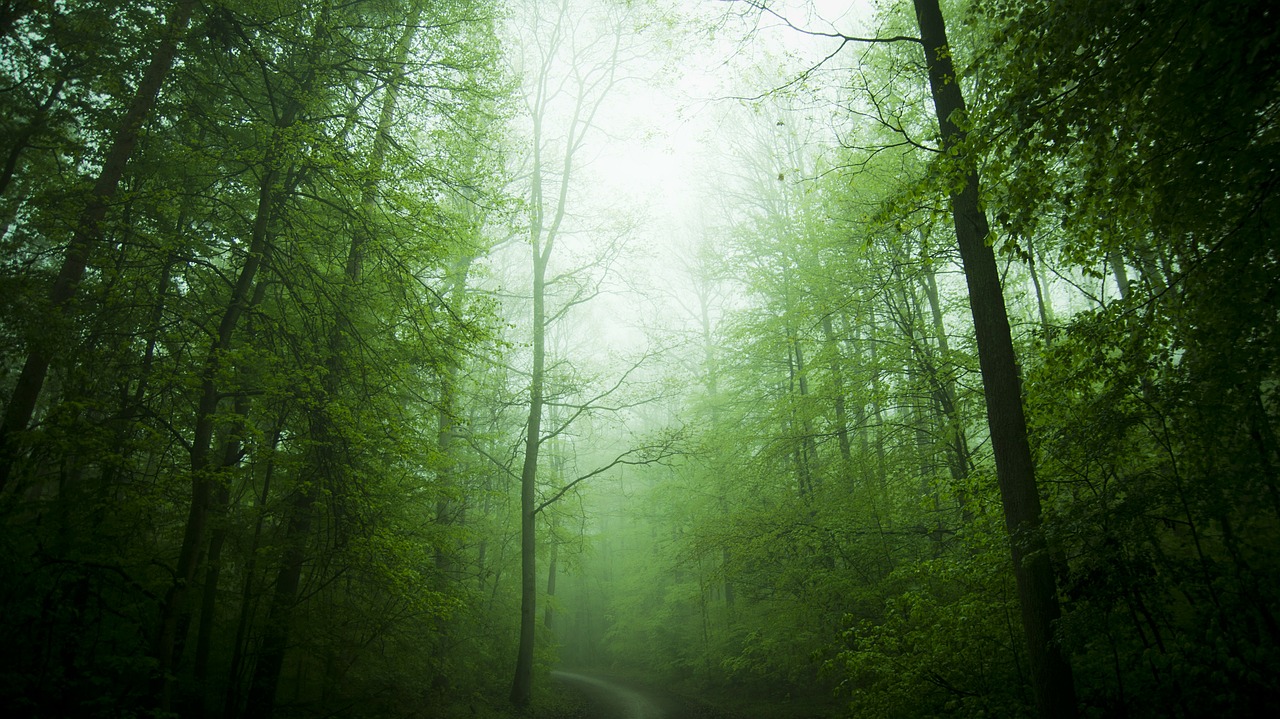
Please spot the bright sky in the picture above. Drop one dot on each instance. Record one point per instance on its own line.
(662, 146)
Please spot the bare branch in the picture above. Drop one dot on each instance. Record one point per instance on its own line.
(592, 404)
(635, 456)
(844, 39)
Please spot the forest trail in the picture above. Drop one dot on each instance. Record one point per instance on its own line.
(608, 697)
(613, 701)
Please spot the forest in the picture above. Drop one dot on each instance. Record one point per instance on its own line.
(639, 359)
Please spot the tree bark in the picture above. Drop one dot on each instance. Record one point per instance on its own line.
(26, 136)
(213, 559)
(944, 390)
(837, 391)
(231, 702)
(1015, 470)
(1044, 305)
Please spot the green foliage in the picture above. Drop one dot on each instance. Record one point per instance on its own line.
(835, 532)
(947, 643)
(300, 135)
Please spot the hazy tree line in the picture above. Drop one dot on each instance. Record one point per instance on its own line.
(235, 250)
(293, 401)
(840, 530)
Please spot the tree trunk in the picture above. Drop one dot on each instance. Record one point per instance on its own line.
(712, 384)
(1121, 274)
(275, 637)
(543, 232)
(446, 413)
(1044, 305)
(1037, 590)
(837, 391)
(202, 479)
(275, 182)
(805, 451)
(946, 397)
(231, 702)
(213, 561)
(877, 408)
(25, 137)
(549, 612)
(522, 684)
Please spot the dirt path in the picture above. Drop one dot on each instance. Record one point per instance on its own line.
(613, 701)
(609, 697)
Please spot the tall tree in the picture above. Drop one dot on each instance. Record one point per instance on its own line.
(87, 232)
(1015, 469)
(572, 72)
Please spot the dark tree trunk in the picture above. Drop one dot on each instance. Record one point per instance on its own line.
(213, 562)
(231, 702)
(1037, 590)
(275, 633)
(27, 135)
(549, 612)
(325, 465)
(522, 684)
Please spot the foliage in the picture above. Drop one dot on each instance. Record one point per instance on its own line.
(272, 464)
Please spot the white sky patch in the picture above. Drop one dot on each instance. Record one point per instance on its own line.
(661, 154)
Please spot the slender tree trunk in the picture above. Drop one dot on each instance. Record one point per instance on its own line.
(549, 612)
(213, 562)
(921, 364)
(274, 183)
(810, 443)
(88, 233)
(522, 684)
(1120, 272)
(544, 230)
(807, 452)
(231, 703)
(837, 391)
(275, 633)
(1044, 306)
(1037, 590)
(202, 479)
(944, 388)
(857, 355)
(712, 384)
(793, 426)
(877, 409)
(447, 411)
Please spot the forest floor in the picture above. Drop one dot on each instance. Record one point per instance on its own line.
(611, 697)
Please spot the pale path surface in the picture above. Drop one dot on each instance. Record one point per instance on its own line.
(622, 703)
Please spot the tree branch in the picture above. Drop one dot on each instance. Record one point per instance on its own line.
(665, 450)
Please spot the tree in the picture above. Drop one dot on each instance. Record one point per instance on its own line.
(257, 334)
(578, 64)
(88, 232)
(1037, 587)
